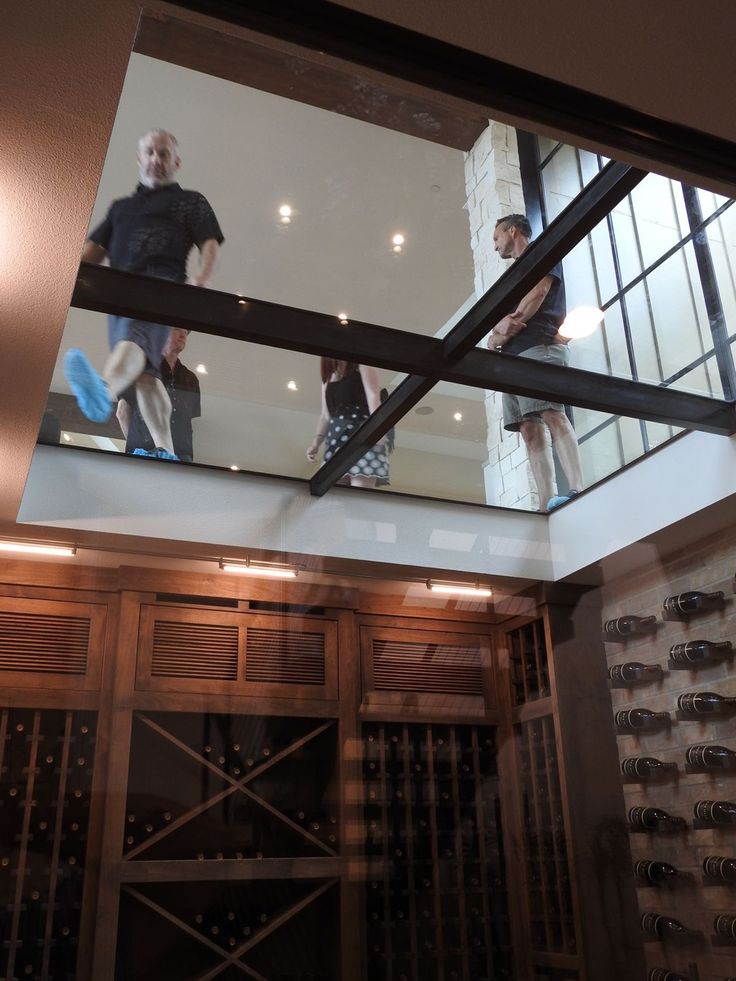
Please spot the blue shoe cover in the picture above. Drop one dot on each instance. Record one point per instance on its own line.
(558, 499)
(91, 392)
(158, 454)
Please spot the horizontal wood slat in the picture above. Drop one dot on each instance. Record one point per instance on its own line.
(194, 650)
(43, 643)
(400, 665)
(285, 656)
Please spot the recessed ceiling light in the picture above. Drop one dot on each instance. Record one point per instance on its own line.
(292, 386)
(66, 437)
(201, 369)
(343, 318)
(285, 211)
(457, 416)
(398, 239)
(234, 466)
(434, 188)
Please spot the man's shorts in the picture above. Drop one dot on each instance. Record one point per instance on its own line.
(151, 338)
(519, 408)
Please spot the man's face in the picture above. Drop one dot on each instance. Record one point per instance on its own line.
(503, 241)
(158, 160)
(176, 343)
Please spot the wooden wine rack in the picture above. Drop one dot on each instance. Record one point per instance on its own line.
(436, 896)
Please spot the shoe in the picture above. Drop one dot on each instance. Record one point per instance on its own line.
(558, 499)
(159, 453)
(90, 390)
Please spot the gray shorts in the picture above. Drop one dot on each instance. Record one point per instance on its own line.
(151, 338)
(520, 408)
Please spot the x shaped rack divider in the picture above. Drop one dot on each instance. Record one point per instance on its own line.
(236, 786)
(232, 959)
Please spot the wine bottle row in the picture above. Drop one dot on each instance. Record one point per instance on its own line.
(701, 756)
(681, 606)
(715, 868)
(705, 812)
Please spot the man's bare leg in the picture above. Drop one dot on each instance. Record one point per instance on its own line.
(540, 459)
(155, 406)
(124, 366)
(565, 444)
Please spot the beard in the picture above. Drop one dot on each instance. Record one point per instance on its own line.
(155, 180)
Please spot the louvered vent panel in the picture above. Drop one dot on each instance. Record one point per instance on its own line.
(405, 666)
(43, 643)
(285, 657)
(194, 650)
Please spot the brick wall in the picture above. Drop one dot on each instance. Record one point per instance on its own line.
(707, 567)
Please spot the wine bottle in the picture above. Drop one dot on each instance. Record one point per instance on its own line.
(715, 811)
(664, 974)
(641, 719)
(718, 867)
(725, 925)
(657, 925)
(622, 627)
(704, 702)
(696, 651)
(692, 601)
(645, 767)
(707, 756)
(656, 872)
(634, 672)
(654, 819)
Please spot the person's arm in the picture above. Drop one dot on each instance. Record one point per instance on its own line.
(92, 252)
(322, 424)
(208, 252)
(515, 322)
(372, 386)
(123, 412)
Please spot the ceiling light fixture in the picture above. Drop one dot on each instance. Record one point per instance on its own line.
(31, 548)
(458, 416)
(235, 467)
(66, 437)
(272, 570)
(343, 318)
(292, 386)
(201, 369)
(581, 322)
(458, 589)
(285, 211)
(398, 239)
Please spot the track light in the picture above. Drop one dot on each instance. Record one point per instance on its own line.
(32, 548)
(458, 589)
(272, 570)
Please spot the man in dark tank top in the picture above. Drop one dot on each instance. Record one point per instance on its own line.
(531, 331)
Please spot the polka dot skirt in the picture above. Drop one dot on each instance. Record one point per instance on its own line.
(374, 463)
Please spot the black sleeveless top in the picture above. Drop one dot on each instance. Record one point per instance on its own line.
(347, 393)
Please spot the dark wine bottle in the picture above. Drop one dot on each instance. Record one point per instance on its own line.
(715, 811)
(634, 672)
(725, 925)
(645, 767)
(641, 719)
(704, 703)
(657, 925)
(622, 627)
(718, 867)
(656, 872)
(664, 974)
(696, 651)
(654, 819)
(692, 601)
(709, 756)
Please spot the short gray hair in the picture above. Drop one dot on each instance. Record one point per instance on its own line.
(157, 131)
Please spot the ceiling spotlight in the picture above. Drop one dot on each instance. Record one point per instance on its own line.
(285, 211)
(242, 301)
(458, 589)
(66, 437)
(581, 322)
(272, 570)
(292, 386)
(458, 416)
(343, 318)
(201, 369)
(235, 467)
(31, 548)
(398, 239)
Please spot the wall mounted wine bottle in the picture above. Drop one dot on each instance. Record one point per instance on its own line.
(718, 867)
(654, 819)
(646, 768)
(684, 605)
(695, 652)
(664, 974)
(705, 703)
(658, 873)
(725, 925)
(633, 719)
(706, 756)
(712, 812)
(657, 925)
(634, 673)
(621, 628)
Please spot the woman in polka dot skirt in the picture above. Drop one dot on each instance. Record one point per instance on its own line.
(350, 393)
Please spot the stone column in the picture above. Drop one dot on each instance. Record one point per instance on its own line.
(493, 186)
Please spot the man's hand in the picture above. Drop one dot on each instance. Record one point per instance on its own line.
(504, 330)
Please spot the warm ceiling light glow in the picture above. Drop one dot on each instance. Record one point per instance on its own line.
(397, 249)
(66, 437)
(458, 416)
(458, 589)
(234, 466)
(29, 548)
(581, 322)
(285, 211)
(242, 301)
(201, 369)
(292, 386)
(270, 569)
(285, 220)
(398, 239)
(343, 318)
